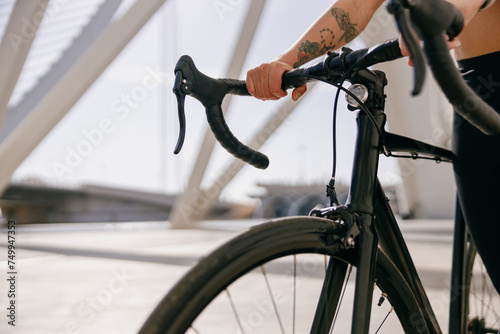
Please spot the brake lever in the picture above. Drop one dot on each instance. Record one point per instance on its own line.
(181, 89)
(401, 15)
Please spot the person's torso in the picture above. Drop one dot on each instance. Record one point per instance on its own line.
(480, 36)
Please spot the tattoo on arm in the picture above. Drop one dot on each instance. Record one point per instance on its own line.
(310, 50)
(344, 22)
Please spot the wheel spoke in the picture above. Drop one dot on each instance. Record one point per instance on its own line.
(383, 321)
(233, 307)
(341, 299)
(294, 291)
(272, 299)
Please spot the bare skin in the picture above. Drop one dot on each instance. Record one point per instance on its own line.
(345, 20)
(480, 34)
(338, 25)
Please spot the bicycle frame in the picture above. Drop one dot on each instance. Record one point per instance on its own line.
(376, 221)
(367, 214)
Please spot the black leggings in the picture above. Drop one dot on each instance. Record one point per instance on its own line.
(477, 167)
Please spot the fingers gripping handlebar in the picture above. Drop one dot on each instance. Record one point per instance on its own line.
(210, 92)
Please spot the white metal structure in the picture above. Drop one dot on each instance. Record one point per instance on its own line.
(71, 86)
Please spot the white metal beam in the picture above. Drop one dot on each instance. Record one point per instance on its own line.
(180, 218)
(51, 109)
(89, 34)
(16, 43)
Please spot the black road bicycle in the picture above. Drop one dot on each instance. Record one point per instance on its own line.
(256, 283)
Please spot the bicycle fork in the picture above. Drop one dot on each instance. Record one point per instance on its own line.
(361, 201)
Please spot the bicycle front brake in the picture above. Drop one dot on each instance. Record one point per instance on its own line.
(210, 92)
(181, 89)
(396, 8)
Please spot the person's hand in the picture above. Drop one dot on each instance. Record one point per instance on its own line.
(405, 52)
(264, 81)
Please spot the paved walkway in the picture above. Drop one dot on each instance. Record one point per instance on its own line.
(106, 278)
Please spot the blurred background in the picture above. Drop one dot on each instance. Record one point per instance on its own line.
(107, 217)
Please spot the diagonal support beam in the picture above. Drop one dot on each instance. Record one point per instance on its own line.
(52, 108)
(16, 43)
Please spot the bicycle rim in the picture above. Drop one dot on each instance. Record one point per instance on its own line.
(482, 302)
(269, 280)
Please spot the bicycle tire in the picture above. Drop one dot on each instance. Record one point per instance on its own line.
(481, 300)
(260, 245)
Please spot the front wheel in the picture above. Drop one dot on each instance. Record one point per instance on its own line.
(284, 276)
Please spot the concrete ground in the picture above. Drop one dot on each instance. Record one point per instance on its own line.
(106, 278)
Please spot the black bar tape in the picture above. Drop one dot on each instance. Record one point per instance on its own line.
(461, 96)
(236, 87)
(384, 52)
(294, 78)
(230, 142)
(379, 53)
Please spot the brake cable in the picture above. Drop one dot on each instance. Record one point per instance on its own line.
(331, 185)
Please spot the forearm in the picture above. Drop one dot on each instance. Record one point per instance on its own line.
(338, 25)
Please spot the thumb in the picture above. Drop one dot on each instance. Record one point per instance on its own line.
(298, 92)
